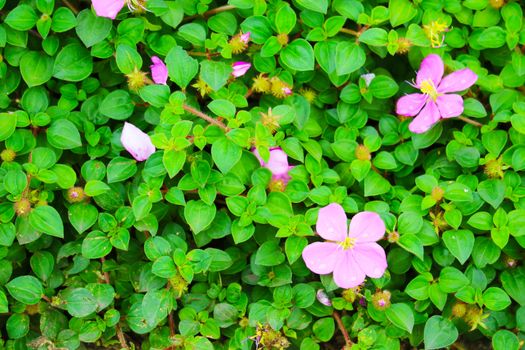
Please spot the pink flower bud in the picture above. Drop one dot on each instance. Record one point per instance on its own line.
(136, 142)
(323, 298)
(287, 91)
(159, 71)
(245, 38)
(240, 68)
(108, 8)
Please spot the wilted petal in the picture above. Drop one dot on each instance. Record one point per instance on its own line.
(431, 68)
(108, 8)
(240, 68)
(457, 81)
(331, 223)
(410, 105)
(136, 142)
(367, 226)
(347, 273)
(371, 258)
(321, 257)
(450, 105)
(159, 71)
(323, 298)
(428, 116)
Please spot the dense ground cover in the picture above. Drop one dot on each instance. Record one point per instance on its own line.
(307, 174)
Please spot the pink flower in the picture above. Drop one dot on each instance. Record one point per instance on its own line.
(277, 164)
(245, 38)
(159, 71)
(136, 142)
(240, 68)
(434, 103)
(350, 256)
(108, 8)
(287, 91)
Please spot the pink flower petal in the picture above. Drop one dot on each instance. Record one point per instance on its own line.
(410, 105)
(278, 162)
(136, 142)
(431, 68)
(347, 273)
(240, 68)
(331, 223)
(371, 258)
(245, 38)
(366, 226)
(450, 105)
(428, 116)
(457, 81)
(321, 257)
(108, 8)
(159, 71)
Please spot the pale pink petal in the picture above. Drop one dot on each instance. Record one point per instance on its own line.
(278, 162)
(331, 223)
(321, 257)
(159, 71)
(240, 68)
(424, 121)
(108, 8)
(431, 68)
(450, 105)
(366, 226)
(371, 258)
(245, 38)
(457, 81)
(258, 156)
(287, 91)
(410, 105)
(136, 142)
(347, 273)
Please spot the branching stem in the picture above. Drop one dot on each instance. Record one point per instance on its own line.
(206, 117)
(470, 121)
(342, 328)
(70, 6)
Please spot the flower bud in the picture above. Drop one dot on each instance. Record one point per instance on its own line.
(459, 309)
(362, 153)
(437, 193)
(282, 39)
(136, 79)
(381, 300)
(261, 83)
(22, 207)
(393, 237)
(75, 195)
(8, 155)
(349, 295)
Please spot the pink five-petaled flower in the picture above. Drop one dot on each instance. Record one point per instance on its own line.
(159, 71)
(108, 8)
(351, 254)
(434, 103)
(136, 142)
(277, 164)
(240, 68)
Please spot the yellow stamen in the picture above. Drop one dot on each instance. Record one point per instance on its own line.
(434, 31)
(348, 243)
(427, 87)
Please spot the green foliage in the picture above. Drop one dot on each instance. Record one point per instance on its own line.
(199, 247)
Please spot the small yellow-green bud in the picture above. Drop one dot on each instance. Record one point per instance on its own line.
(8, 155)
(362, 152)
(393, 237)
(75, 195)
(459, 309)
(437, 193)
(22, 207)
(381, 300)
(282, 39)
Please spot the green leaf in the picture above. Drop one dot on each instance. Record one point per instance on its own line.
(80, 302)
(47, 220)
(314, 5)
(496, 299)
(269, 254)
(401, 315)
(375, 184)
(439, 333)
(22, 17)
(199, 215)
(225, 154)
(63, 134)
(7, 125)
(413, 244)
(36, 68)
(349, 57)
(96, 245)
(17, 326)
(95, 188)
(324, 329)
(173, 161)
(82, 216)
(92, 29)
(26, 289)
(4, 307)
(120, 169)
(401, 11)
(293, 247)
(215, 74)
(298, 55)
(285, 19)
(181, 67)
(505, 340)
(492, 191)
(117, 105)
(128, 59)
(73, 63)
(460, 243)
(451, 280)
(42, 263)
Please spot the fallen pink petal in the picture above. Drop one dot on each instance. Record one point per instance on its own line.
(434, 102)
(136, 142)
(240, 68)
(108, 8)
(159, 71)
(350, 252)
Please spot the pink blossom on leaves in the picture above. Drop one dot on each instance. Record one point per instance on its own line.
(159, 71)
(136, 142)
(108, 8)
(435, 102)
(350, 253)
(240, 68)
(277, 164)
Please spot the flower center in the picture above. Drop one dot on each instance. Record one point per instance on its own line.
(347, 243)
(427, 87)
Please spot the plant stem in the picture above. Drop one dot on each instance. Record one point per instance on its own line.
(120, 334)
(71, 6)
(350, 31)
(470, 121)
(210, 12)
(342, 328)
(206, 117)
